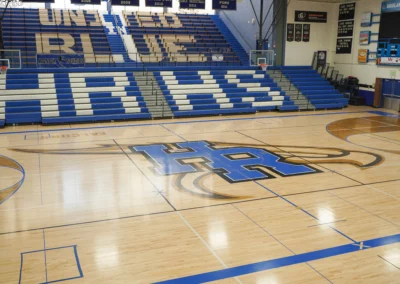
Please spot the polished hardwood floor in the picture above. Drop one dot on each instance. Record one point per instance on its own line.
(310, 197)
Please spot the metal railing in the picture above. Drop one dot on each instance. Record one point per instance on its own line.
(105, 59)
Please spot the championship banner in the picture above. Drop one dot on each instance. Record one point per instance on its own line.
(365, 37)
(388, 61)
(363, 55)
(192, 4)
(290, 32)
(159, 3)
(298, 30)
(60, 60)
(306, 32)
(125, 2)
(224, 4)
(310, 16)
(345, 28)
(86, 2)
(346, 11)
(344, 45)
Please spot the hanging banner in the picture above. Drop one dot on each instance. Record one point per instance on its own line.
(192, 4)
(37, 1)
(86, 2)
(60, 60)
(306, 32)
(391, 6)
(345, 28)
(224, 4)
(290, 32)
(298, 32)
(366, 19)
(346, 11)
(125, 2)
(344, 45)
(365, 37)
(363, 55)
(159, 3)
(310, 16)
(388, 61)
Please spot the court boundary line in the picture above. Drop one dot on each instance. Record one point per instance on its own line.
(283, 261)
(184, 209)
(182, 122)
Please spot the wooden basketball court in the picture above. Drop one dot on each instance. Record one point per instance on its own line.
(310, 197)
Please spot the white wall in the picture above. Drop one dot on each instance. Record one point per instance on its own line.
(242, 25)
(348, 64)
(322, 36)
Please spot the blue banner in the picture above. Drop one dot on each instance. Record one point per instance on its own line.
(224, 4)
(60, 60)
(159, 3)
(192, 4)
(125, 2)
(87, 2)
(391, 6)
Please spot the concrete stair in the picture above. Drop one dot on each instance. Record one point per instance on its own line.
(295, 95)
(152, 95)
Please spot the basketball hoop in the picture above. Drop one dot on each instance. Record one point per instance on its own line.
(3, 70)
(263, 66)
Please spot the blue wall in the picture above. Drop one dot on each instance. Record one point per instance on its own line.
(237, 22)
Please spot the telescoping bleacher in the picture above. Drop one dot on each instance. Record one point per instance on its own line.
(197, 80)
(70, 97)
(317, 90)
(220, 92)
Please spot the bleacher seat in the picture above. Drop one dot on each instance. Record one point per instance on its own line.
(176, 38)
(70, 97)
(191, 93)
(320, 93)
(47, 31)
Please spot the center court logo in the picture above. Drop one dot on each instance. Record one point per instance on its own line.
(195, 167)
(234, 164)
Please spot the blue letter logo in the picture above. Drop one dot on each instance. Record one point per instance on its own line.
(235, 164)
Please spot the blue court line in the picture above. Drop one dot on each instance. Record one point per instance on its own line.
(45, 256)
(57, 248)
(383, 113)
(181, 122)
(282, 262)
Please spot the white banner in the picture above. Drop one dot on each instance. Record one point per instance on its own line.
(388, 60)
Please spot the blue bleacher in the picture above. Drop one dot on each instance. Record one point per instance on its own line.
(193, 93)
(70, 97)
(320, 93)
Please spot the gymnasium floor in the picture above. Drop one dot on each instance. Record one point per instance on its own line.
(310, 197)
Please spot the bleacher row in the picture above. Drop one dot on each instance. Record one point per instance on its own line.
(70, 97)
(46, 31)
(320, 93)
(220, 92)
(177, 37)
(157, 38)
